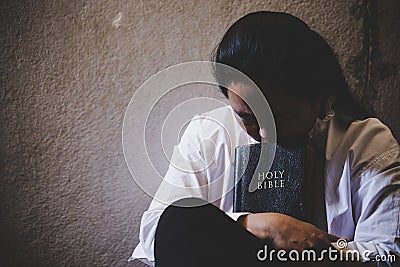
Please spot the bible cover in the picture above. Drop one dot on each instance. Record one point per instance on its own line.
(279, 188)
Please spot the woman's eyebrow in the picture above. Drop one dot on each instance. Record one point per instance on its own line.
(244, 114)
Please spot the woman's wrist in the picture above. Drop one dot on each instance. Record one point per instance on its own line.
(262, 225)
(242, 220)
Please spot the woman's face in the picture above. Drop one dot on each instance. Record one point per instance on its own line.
(294, 117)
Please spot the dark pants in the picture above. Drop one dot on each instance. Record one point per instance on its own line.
(205, 236)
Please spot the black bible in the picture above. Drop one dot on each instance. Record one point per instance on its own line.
(279, 188)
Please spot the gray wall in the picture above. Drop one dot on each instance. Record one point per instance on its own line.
(68, 71)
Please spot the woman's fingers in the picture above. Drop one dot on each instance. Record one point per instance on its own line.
(263, 135)
(332, 238)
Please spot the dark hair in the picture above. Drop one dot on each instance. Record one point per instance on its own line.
(278, 51)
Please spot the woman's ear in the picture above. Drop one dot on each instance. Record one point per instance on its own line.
(331, 102)
(327, 105)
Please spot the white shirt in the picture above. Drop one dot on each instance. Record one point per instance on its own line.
(362, 179)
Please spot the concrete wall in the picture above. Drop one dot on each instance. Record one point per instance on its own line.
(68, 71)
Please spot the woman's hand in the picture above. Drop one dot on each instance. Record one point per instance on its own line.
(286, 232)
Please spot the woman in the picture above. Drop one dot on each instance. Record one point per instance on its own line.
(300, 77)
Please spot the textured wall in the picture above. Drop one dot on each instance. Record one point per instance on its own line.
(68, 71)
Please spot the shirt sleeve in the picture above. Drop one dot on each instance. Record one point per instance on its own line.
(376, 209)
(188, 175)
